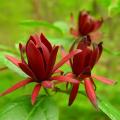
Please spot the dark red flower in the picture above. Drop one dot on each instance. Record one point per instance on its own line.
(82, 65)
(40, 65)
(86, 24)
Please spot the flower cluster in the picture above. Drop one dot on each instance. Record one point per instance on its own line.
(40, 67)
(82, 65)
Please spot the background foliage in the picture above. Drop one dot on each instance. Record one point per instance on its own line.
(18, 20)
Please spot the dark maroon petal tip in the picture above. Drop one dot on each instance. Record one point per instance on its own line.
(45, 42)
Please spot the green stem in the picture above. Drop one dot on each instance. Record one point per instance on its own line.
(68, 91)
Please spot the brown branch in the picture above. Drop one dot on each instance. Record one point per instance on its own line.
(3, 68)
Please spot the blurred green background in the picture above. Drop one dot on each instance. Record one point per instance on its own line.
(13, 13)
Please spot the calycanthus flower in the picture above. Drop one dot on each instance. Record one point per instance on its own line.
(86, 24)
(82, 65)
(40, 65)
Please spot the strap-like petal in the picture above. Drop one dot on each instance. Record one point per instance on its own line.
(64, 79)
(104, 79)
(90, 91)
(73, 93)
(13, 60)
(65, 59)
(63, 54)
(16, 86)
(35, 93)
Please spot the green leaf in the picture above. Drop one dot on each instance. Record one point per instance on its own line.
(108, 109)
(10, 65)
(21, 109)
(60, 41)
(62, 25)
(34, 23)
(17, 110)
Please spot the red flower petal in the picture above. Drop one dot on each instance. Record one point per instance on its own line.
(87, 58)
(94, 56)
(78, 62)
(70, 75)
(73, 93)
(47, 84)
(90, 91)
(52, 60)
(64, 79)
(35, 60)
(63, 53)
(104, 80)
(45, 53)
(93, 83)
(97, 24)
(85, 42)
(27, 70)
(71, 49)
(13, 60)
(46, 42)
(82, 19)
(59, 71)
(16, 86)
(35, 39)
(65, 59)
(88, 27)
(35, 93)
